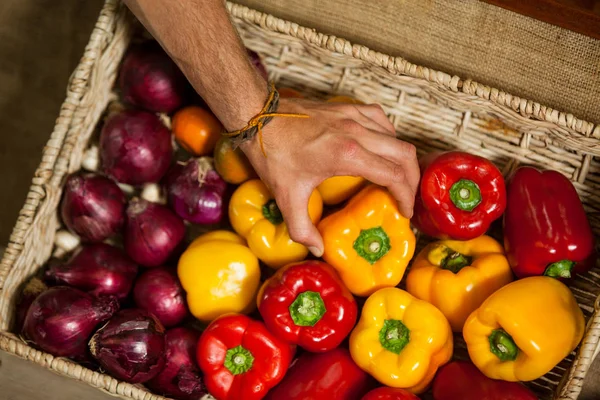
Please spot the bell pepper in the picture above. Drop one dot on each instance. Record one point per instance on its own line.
(386, 393)
(241, 359)
(307, 304)
(368, 241)
(459, 196)
(254, 215)
(524, 329)
(401, 340)
(462, 380)
(337, 189)
(457, 277)
(328, 376)
(219, 274)
(546, 230)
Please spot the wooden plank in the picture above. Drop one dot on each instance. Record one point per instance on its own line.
(24, 380)
(575, 15)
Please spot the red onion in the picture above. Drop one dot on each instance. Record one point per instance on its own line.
(61, 320)
(196, 191)
(258, 64)
(93, 207)
(135, 147)
(153, 233)
(158, 291)
(150, 79)
(130, 346)
(99, 269)
(31, 291)
(180, 378)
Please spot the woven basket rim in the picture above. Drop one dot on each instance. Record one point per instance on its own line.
(545, 118)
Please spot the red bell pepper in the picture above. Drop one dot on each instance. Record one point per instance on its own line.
(546, 230)
(459, 196)
(328, 376)
(241, 359)
(461, 380)
(307, 304)
(387, 393)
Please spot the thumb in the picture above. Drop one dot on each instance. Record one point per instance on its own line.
(294, 208)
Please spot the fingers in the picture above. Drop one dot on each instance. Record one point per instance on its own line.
(294, 208)
(356, 160)
(375, 112)
(397, 151)
(369, 116)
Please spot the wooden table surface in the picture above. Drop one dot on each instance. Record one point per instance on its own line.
(41, 41)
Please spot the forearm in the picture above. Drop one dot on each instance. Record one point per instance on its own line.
(200, 38)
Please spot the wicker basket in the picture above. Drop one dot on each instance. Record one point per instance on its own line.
(432, 109)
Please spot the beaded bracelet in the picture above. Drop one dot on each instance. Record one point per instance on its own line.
(261, 119)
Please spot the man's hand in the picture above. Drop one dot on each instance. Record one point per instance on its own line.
(337, 139)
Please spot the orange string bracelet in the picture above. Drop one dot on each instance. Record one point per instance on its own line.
(256, 124)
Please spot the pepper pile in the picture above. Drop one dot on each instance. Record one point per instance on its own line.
(278, 324)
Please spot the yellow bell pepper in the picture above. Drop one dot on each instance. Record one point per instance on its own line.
(524, 329)
(254, 215)
(220, 275)
(457, 277)
(336, 189)
(401, 340)
(368, 241)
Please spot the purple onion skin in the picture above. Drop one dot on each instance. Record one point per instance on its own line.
(181, 377)
(258, 64)
(131, 346)
(93, 207)
(99, 269)
(197, 202)
(61, 320)
(159, 292)
(31, 291)
(151, 80)
(135, 147)
(153, 233)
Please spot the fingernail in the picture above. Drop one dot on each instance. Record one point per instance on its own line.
(316, 251)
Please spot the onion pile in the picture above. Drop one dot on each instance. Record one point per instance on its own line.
(153, 233)
(61, 320)
(135, 196)
(195, 191)
(130, 346)
(159, 292)
(150, 79)
(135, 147)
(99, 269)
(93, 207)
(180, 378)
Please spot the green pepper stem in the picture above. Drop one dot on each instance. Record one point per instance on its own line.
(307, 309)
(560, 269)
(238, 360)
(372, 244)
(455, 261)
(465, 195)
(272, 213)
(503, 346)
(394, 335)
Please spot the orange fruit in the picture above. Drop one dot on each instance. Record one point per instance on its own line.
(232, 165)
(287, 93)
(344, 99)
(196, 130)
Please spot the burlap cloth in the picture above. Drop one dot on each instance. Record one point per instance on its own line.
(468, 38)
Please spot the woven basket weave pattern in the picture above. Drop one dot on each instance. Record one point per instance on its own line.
(431, 109)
